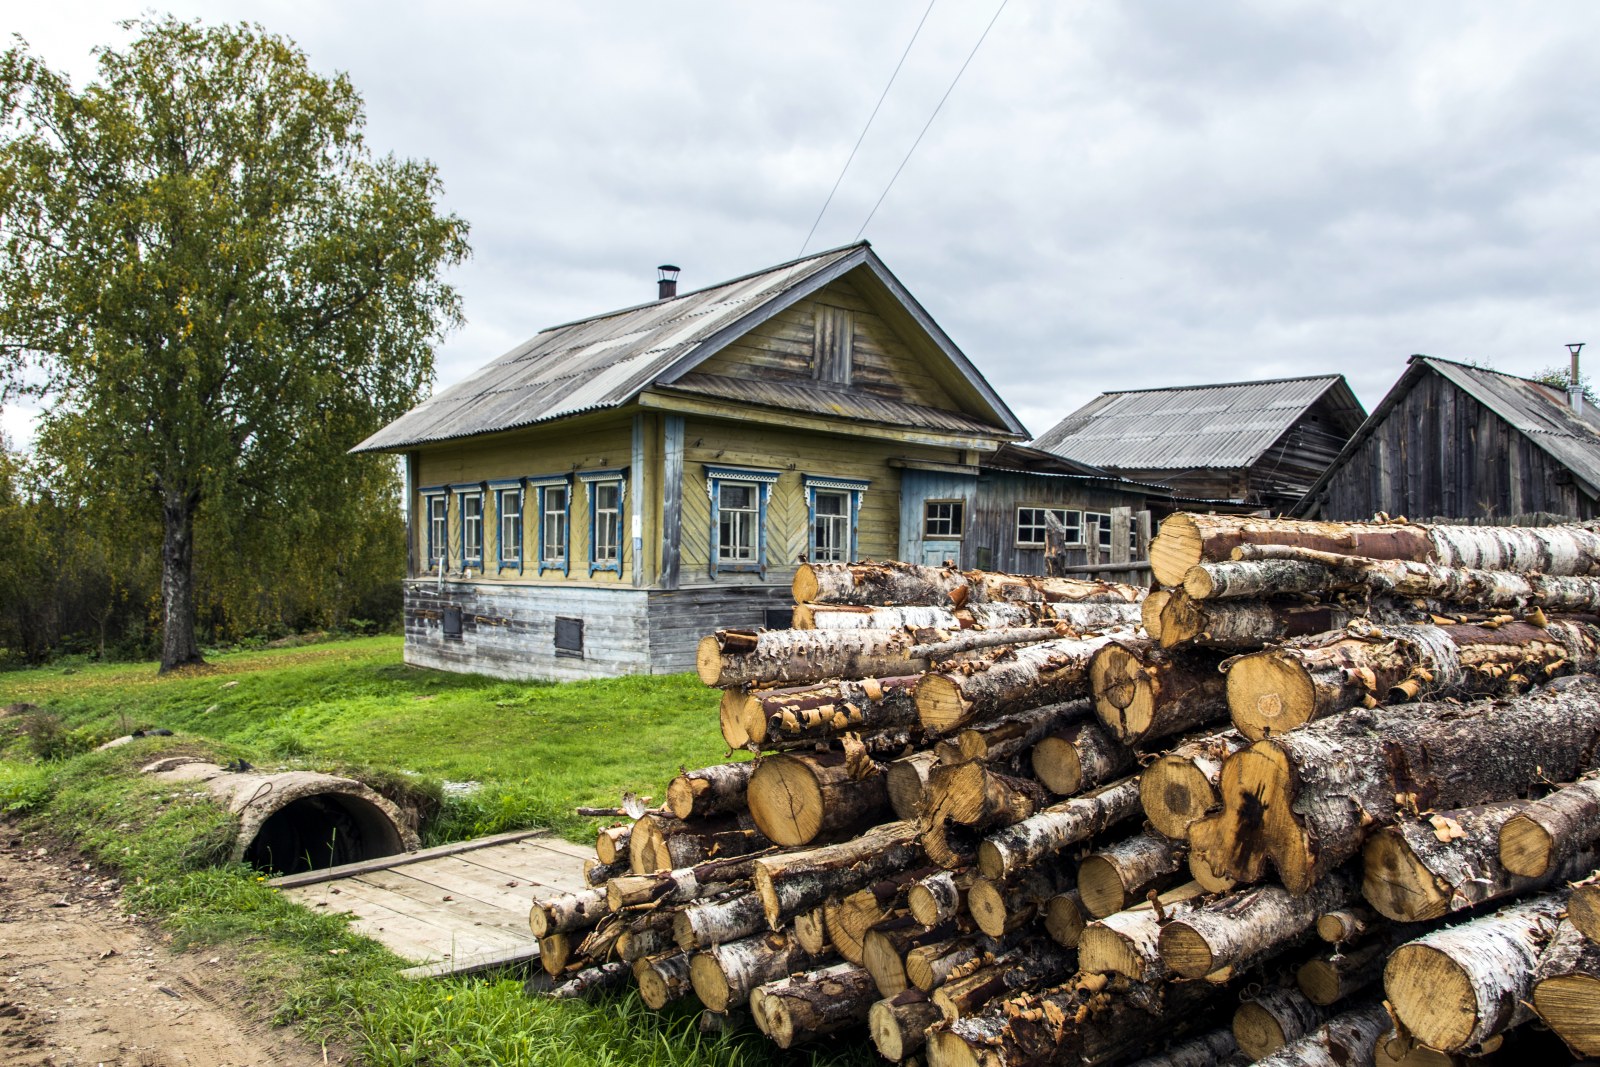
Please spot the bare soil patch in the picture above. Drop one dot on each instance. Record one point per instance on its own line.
(82, 983)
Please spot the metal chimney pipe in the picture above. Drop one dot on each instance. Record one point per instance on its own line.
(1574, 386)
(666, 281)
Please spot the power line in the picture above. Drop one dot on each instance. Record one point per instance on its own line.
(931, 117)
(867, 127)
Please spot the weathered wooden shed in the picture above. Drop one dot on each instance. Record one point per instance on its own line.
(1465, 442)
(600, 497)
(1256, 444)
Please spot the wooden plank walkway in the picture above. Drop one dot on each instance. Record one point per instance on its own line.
(453, 909)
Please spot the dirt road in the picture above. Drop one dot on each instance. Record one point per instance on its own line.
(81, 984)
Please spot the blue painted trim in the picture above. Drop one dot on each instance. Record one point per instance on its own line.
(564, 564)
(500, 525)
(425, 489)
(759, 475)
(503, 483)
(475, 489)
(608, 474)
(592, 479)
(436, 551)
(465, 487)
(715, 476)
(854, 488)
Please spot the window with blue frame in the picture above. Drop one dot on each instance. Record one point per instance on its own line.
(739, 497)
(553, 507)
(471, 505)
(606, 495)
(834, 506)
(508, 515)
(436, 514)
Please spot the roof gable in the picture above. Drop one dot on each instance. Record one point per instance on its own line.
(608, 360)
(1222, 427)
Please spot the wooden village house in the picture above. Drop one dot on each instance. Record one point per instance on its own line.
(1454, 441)
(1252, 445)
(600, 497)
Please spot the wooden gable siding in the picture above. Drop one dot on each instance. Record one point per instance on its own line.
(1294, 463)
(796, 454)
(1438, 452)
(784, 348)
(537, 452)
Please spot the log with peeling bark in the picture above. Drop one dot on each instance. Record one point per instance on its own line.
(1566, 990)
(1080, 756)
(1011, 735)
(709, 790)
(1058, 827)
(1248, 925)
(591, 981)
(712, 922)
(1049, 672)
(999, 907)
(682, 885)
(849, 920)
(1328, 979)
(1027, 966)
(663, 979)
(824, 711)
(1246, 625)
(723, 976)
(940, 645)
(939, 897)
(1181, 786)
(1084, 617)
(1347, 924)
(1143, 692)
(885, 946)
(611, 844)
(907, 781)
(929, 966)
(1215, 1049)
(648, 934)
(1128, 942)
(793, 881)
(1279, 689)
(899, 1024)
(1421, 869)
(798, 657)
(597, 874)
(1278, 1016)
(1187, 539)
(662, 842)
(796, 797)
(1553, 830)
(795, 1009)
(896, 583)
(965, 799)
(1457, 987)
(810, 927)
(1120, 874)
(1346, 1040)
(1306, 801)
(863, 617)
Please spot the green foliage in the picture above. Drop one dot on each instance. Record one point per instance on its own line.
(220, 289)
(1561, 378)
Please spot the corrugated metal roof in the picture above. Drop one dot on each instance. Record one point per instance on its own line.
(1185, 428)
(607, 360)
(821, 399)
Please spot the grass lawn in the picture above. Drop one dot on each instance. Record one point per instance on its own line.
(536, 750)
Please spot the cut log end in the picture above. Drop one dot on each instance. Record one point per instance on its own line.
(1269, 695)
(710, 984)
(950, 1050)
(986, 901)
(1123, 699)
(1584, 911)
(1257, 1031)
(1186, 951)
(805, 586)
(1174, 793)
(1055, 763)
(1397, 884)
(940, 705)
(1064, 919)
(1175, 549)
(1433, 994)
(708, 660)
(1570, 1005)
(1526, 848)
(731, 711)
(786, 801)
(1100, 886)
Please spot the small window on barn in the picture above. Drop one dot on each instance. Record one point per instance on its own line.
(832, 344)
(1033, 525)
(569, 637)
(943, 518)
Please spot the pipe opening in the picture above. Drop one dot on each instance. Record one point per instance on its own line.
(322, 830)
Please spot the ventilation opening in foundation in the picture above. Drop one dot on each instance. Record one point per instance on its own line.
(322, 830)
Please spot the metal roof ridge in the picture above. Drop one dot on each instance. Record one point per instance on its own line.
(1227, 385)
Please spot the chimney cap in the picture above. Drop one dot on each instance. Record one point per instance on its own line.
(669, 272)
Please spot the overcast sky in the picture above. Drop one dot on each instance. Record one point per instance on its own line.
(1116, 195)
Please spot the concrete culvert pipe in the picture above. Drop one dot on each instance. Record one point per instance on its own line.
(295, 821)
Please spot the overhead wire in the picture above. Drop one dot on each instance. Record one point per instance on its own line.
(881, 97)
(931, 117)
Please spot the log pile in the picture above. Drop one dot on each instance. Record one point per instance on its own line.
(1299, 805)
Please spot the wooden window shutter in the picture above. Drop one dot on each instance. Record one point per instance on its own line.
(831, 344)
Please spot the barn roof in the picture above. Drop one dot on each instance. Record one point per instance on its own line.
(1540, 412)
(1191, 427)
(607, 360)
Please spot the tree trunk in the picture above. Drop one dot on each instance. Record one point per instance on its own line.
(1013, 734)
(897, 583)
(1416, 870)
(1128, 942)
(179, 648)
(907, 781)
(1347, 924)
(1279, 689)
(796, 1009)
(1120, 874)
(1307, 800)
(1082, 756)
(1142, 692)
(1102, 616)
(666, 843)
(714, 922)
(1248, 925)
(999, 907)
(1181, 786)
(1186, 539)
(944, 646)
(647, 934)
(793, 881)
(611, 844)
(1549, 832)
(724, 976)
(800, 657)
(1050, 672)
(1215, 1049)
(681, 885)
(1457, 987)
(1326, 980)
(709, 791)
(662, 979)
(861, 617)
(885, 945)
(591, 981)
(973, 794)
(1029, 965)
(939, 897)
(826, 710)
(794, 798)
(597, 874)
(1566, 990)
(929, 966)
(1346, 1040)
(1240, 625)
(899, 1024)
(567, 912)
(1277, 1017)
(1058, 827)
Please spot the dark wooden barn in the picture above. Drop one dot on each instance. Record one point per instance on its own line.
(1255, 444)
(1465, 442)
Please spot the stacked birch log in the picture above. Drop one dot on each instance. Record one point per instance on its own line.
(1002, 827)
